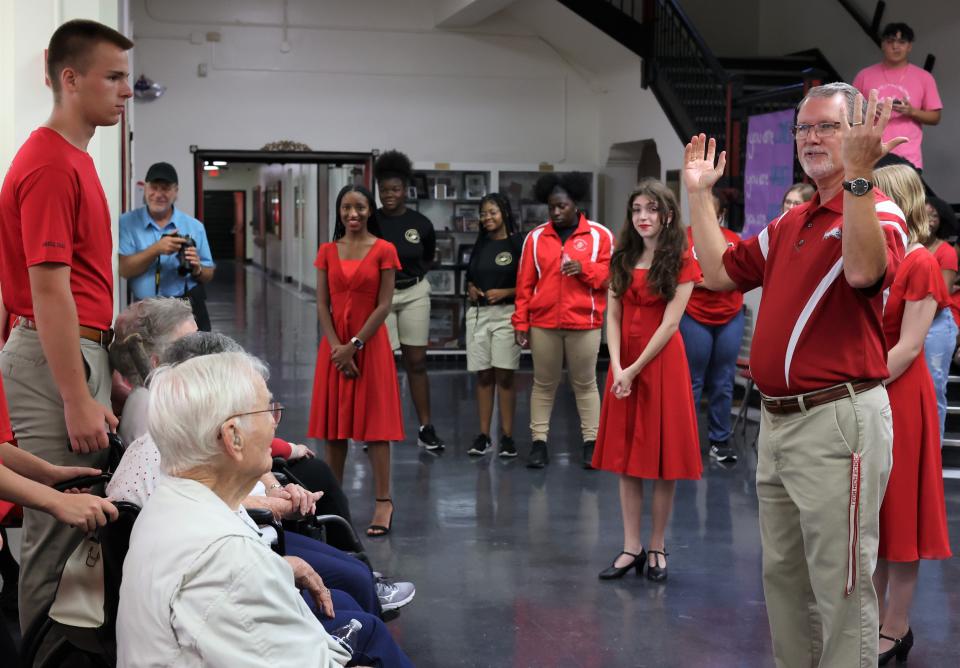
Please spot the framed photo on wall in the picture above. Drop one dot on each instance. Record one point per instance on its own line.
(475, 185)
(444, 324)
(446, 249)
(442, 282)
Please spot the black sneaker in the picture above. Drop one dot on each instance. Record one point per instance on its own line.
(507, 448)
(427, 438)
(538, 455)
(588, 447)
(722, 452)
(481, 446)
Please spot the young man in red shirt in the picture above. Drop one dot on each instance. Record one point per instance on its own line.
(56, 246)
(818, 357)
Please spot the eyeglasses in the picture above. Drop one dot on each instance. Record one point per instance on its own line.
(276, 410)
(824, 130)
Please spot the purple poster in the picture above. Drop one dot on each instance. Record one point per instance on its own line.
(769, 169)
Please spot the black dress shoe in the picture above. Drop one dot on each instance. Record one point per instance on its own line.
(538, 455)
(901, 648)
(614, 571)
(588, 447)
(654, 571)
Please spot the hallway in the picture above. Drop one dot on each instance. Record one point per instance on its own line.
(505, 559)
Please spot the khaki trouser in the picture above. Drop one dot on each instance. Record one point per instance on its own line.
(548, 348)
(36, 413)
(803, 485)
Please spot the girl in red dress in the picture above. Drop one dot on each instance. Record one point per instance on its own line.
(913, 521)
(648, 423)
(355, 392)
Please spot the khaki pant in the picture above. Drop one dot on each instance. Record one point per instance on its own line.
(408, 322)
(803, 485)
(36, 413)
(548, 348)
(491, 339)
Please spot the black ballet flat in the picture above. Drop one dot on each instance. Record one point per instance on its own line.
(901, 648)
(613, 572)
(654, 572)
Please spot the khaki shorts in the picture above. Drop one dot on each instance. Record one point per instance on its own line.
(490, 338)
(408, 322)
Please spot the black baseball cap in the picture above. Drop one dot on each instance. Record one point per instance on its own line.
(162, 171)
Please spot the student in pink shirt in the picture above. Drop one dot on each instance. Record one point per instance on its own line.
(916, 101)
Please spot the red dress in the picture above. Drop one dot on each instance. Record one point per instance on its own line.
(652, 433)
(913, 517)
(366, 408)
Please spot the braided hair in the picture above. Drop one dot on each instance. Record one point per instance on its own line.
(506, 212)
(373, 224)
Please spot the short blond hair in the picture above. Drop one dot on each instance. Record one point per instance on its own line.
(902, 184)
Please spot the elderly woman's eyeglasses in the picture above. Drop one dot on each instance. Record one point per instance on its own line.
(276, 410)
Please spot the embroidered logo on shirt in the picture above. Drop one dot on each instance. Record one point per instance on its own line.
(504, 258)
(833, 234)
(412, 236)
(580, 245)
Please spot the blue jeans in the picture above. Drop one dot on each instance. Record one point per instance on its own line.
(374, 645)
(712, 352)
(938, 349)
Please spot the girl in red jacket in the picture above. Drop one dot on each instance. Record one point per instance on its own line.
(560, 299)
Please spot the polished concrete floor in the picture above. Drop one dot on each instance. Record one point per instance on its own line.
(505, 559)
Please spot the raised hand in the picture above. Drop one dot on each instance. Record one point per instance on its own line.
(699, 171)
(862, 144)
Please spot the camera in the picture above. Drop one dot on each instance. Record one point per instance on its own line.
(183, 268)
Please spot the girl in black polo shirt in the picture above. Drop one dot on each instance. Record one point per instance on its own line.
(491, 348)
(408, 322)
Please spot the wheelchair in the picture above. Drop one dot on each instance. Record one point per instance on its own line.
(49, 644)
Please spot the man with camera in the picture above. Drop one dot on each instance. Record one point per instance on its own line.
(163, 251)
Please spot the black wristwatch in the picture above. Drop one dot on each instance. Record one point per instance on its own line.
(858, 187)
(357, 343)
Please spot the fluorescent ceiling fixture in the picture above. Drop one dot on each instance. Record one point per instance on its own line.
(210, 168)
(220, 163)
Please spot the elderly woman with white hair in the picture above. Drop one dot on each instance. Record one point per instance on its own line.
(199, 587)
(193, 452)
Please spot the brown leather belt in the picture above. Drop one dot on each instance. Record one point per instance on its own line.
(786, 405)
(89, 333)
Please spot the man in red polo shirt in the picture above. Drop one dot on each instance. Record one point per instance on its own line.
(56, 270)
(818, 357)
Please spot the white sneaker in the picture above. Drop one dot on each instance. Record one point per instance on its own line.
(394, 595)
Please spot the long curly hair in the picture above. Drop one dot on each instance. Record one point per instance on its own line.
(671, 244)
(373, 223)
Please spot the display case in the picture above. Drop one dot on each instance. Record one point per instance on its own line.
(449, 195)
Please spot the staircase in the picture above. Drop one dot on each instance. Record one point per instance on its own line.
(698, 91)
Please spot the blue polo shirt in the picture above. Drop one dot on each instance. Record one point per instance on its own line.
(138, 231)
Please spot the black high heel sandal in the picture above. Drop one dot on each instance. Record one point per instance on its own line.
(654, 572)
(378, 530)
(614, 572)
(901, 648)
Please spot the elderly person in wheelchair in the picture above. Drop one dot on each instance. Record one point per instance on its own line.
(199, 585)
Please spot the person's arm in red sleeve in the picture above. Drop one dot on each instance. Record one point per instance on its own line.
(280, 448)
(596, 273)
(526, 281)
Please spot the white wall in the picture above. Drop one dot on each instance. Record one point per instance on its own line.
(26, 102)
(244, 177)
(358, 76)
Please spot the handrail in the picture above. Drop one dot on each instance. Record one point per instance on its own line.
(705, 52)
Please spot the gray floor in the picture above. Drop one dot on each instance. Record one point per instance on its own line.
(505, 559)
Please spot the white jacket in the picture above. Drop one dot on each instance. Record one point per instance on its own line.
(201, 589)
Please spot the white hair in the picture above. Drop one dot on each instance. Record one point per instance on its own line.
(189, 403)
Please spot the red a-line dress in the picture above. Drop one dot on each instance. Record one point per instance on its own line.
(913, 517)
(652, 433)
(366, 408)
